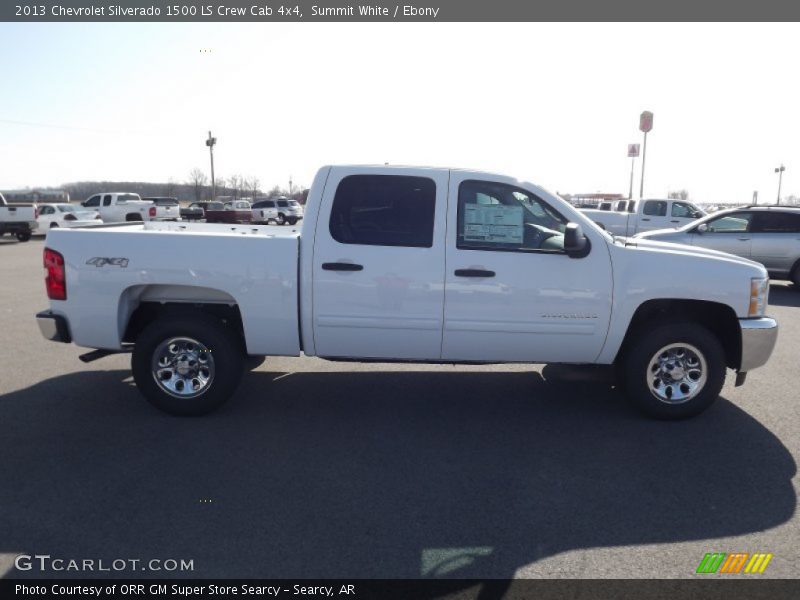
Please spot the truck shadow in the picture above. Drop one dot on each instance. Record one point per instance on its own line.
(369, 474)
(784, 295)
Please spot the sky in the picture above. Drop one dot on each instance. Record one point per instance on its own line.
(556, 104)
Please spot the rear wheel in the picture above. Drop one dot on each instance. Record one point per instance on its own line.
(133, 217)
(796, 276)
(53, 225)
(23, 236)
(281, 220)
(187, 365)
(674, 371)
(292, 221)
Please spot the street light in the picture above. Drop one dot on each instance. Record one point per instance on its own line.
(779, 171)
(210, 143)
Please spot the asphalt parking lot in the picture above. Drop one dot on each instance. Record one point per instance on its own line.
(321, 469)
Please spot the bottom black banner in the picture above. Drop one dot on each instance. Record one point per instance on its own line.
(390, 589)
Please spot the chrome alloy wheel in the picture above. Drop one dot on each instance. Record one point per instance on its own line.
(677, 373)
(183, 367)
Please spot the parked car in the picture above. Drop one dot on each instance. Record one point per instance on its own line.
(194, 212)
(769, 235)
(289, 211)
(236, 211)
(118, 207)
(18, 219)
(416, 265)
(628, 217)
(63, 214)
(167, 208)
(265, 210)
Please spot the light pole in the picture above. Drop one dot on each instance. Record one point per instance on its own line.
(645, 125)
(210, 143)
(779, 171)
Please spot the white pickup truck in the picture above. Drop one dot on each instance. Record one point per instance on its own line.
(413, 265)
(18, 219)
(629, 217)
(117, 207)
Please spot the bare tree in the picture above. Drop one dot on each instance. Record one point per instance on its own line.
(679, 195)
(170, 187)
(252, 186)
(198, 180)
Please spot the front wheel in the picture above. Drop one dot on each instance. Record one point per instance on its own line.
(292, 221)
(23, 236)
(281, 220)
(187, 365)
(674, 371)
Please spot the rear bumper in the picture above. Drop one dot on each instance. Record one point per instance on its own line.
(53, 327)
(758, 341)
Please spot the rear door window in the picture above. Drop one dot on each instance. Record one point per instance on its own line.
(776, 222)
(655, 208)
(384, 210)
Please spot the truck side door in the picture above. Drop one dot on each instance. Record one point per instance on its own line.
(511, 292)
(378, 266)
(653, 215)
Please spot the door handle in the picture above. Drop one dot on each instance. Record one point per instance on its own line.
(645, 219)
(744, 239)
(342, 266)
(675, 221)
(473, 273)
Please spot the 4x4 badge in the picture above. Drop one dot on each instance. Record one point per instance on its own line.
(99, 261)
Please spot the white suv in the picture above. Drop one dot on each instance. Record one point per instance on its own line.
(280, 210)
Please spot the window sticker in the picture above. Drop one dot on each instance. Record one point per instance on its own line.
(493, 223)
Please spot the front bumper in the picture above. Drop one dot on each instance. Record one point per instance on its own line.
(758, 341)
(53, 327)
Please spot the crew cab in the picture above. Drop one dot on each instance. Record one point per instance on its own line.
(116, 207)
(628, 217)
(413, 265)
(18, 219)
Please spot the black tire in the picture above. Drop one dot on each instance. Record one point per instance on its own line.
(645, 349)
(220, 341)
(23, 236)
(281, 220)
(133, 218)
(292, 221)
(53, 225)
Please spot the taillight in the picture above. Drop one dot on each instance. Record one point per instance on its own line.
(55, 279)
(152, 211)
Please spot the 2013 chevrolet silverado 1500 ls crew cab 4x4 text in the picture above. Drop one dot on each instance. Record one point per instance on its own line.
(408, 264)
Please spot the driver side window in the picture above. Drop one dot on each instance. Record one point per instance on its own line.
(497, 216)
(732, 223)
(93, 201)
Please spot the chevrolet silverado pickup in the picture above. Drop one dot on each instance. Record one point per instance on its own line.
(629, 217)
(413, 265)
(18, 219)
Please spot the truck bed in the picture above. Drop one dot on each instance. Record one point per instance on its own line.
(254, 268)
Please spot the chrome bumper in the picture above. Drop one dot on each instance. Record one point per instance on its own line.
(53, 327)
(758, 341)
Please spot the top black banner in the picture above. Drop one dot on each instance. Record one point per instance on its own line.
(394, 11)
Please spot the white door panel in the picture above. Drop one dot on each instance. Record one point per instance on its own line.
(522, 306)
(379, 301)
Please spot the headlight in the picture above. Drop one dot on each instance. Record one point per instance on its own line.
(759, 294)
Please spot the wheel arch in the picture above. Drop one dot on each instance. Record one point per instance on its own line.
(720, 319)
(139, 305)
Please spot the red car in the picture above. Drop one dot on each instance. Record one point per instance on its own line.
(236, 211)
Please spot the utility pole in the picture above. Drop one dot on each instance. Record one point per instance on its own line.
(645, 125)
(290, 185)
(779, 171)
(210, 143)
(633, 152)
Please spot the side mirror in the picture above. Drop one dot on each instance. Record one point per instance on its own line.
(576, 245)
(697, 214)
(702, 228)
(83, 203)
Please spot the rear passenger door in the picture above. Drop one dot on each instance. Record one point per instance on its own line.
(776, 239)
(654, 216)
(378, 267)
